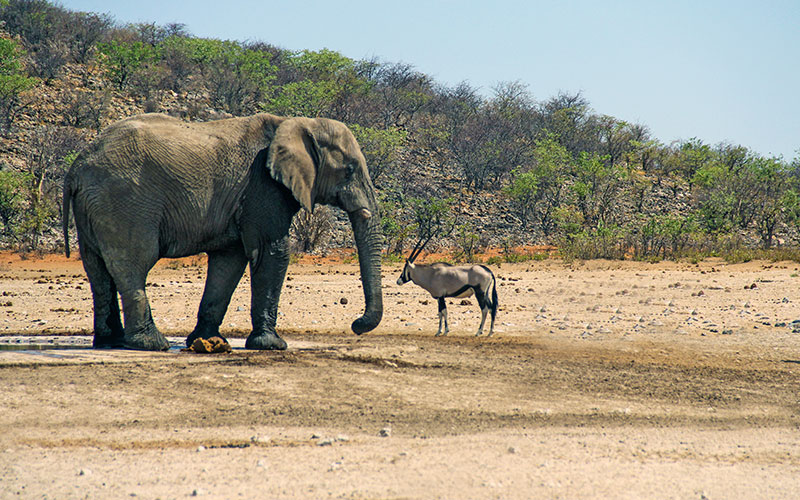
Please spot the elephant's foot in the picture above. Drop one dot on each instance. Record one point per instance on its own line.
(108, 341)
(265, 342)
(146, 339)
(203, 333)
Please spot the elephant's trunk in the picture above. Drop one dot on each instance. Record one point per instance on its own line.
(369, 241)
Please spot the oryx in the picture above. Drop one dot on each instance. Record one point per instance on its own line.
(444, 280)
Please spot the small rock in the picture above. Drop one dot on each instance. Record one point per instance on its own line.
(465, 302)
(85, 472)
(201, 448)
(240, 309)
(342, 438)
(512, 450)
(343, 301)
(325, 442)
(198, 492)
(385, 432)
(261, 463)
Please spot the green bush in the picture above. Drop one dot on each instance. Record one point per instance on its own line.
(537, 190)
(396, 230)
(13, 82)
(603, 242)
(121, 60)
(237, 77)
(322, 83)
(380, 147)
(467, 243)
(12, 199)
(661, 236)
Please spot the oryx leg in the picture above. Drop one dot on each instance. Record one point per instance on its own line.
(494, 313)
(484, 305)
(443, 317)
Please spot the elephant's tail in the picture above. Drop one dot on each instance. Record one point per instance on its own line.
(67, 200)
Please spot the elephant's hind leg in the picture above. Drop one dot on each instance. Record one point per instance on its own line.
(225, 269)
(140, 330)
(130, 276)
(108, 330)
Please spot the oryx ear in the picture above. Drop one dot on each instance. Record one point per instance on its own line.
(294, 159)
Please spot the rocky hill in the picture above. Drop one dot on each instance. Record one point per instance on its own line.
(510, 170)
(82, 96)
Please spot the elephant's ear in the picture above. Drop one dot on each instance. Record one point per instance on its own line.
(294, 159)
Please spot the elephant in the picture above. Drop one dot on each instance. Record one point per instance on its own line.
(153, 186)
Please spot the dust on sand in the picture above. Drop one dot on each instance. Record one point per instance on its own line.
(604, 379)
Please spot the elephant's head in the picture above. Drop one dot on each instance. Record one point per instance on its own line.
(320, 161)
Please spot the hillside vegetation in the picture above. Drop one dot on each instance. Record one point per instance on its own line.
(506, 170)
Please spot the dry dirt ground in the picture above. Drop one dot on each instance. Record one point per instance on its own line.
(603, 380)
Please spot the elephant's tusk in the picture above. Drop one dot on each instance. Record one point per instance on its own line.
(366, 214)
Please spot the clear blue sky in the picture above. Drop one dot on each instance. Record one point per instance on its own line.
(717, 70)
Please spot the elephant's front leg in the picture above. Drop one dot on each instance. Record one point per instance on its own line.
(225, 269)
(267, 272)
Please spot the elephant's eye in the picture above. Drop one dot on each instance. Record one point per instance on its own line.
(351, 167)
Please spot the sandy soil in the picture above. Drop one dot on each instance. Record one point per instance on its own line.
(603, 380)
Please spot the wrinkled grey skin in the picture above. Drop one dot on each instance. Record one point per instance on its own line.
(152, 186)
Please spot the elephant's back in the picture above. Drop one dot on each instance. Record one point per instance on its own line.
(153, 145)
(182, 178)
(154, 140)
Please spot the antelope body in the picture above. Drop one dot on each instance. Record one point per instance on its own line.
(443, 280)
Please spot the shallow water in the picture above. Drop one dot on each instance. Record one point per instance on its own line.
(39, 347)
(46, 343)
